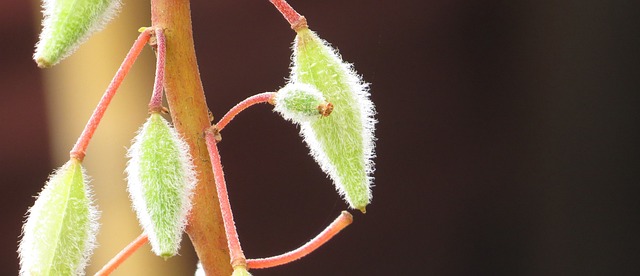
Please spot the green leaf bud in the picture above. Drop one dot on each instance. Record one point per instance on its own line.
(300, 102)
(69, 23)
(60, 232)
(343, 143)
(161, 179)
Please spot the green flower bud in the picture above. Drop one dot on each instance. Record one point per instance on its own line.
(300, 102)
(60, 232)
(69, 23)
(161, 180)
(343, 143)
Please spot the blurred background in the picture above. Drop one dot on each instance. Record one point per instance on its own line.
(507, 134)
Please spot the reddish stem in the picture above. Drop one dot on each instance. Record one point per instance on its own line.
(189, 113)
(233, 242)
(79, 149)
(123, 255)
(336, 226)
(255, 99)
(155, 105)
(290, 14)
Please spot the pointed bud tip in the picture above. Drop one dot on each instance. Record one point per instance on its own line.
(67, 24)
(43, 62)
(166, 255)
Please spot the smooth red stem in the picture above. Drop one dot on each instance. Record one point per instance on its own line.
(233, 242)
(342, 221)
(255, 99)
(290, 14)
(123, 255)
(155, 105)
(79, 149)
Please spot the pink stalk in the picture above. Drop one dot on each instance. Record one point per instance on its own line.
(233, 242)
(155, 105)
(255, 99)
(291, 15)
(336, 226)
(79, 149)
(123, 255)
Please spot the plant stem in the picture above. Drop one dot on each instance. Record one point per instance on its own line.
(336, 226)
(155, 105)
(80, 148)
(190, 116)
(290, 14)
(255, 99)
(235, 250)
(126, 252)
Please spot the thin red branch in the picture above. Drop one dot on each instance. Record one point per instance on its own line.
(123, 255)
(255, 99)
(288, 12)
(336, 226)
(79, 149)
(233, 242)
(155, 105)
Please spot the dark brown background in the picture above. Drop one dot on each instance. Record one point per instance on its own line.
(507, 137)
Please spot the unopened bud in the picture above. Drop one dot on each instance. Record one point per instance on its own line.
(300, 102)
(161, 180)
(343, 143)
(60, 232)
(69, 23)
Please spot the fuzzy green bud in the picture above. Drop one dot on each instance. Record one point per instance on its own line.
(161, 179)
(60, 232)
(301, 102)
(343, 143)
(69, 23)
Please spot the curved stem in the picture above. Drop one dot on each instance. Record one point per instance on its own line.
(80, 147)
(233, 242)
(255, 99)
(342, 221)
(123, 255)
(155, 105)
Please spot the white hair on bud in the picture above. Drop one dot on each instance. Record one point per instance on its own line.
(186, 177)
(364, 106)
(298, 102)
(100, 13)
(34, 234)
